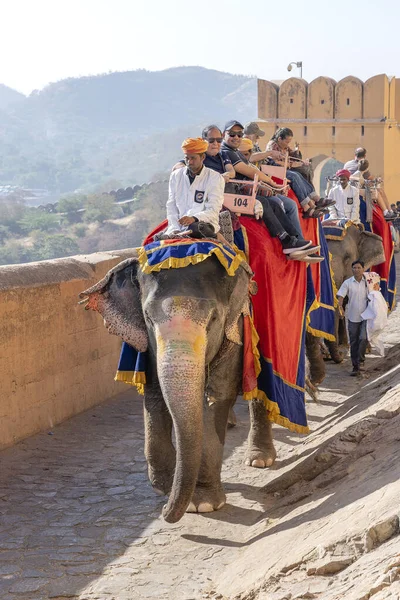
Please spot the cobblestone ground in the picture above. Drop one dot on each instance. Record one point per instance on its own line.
(78, 518)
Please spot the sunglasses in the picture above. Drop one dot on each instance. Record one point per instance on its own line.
(212, 140)
(236, 134)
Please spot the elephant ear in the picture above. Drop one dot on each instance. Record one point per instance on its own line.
(117, 298)
(239, 303)
(371, 249)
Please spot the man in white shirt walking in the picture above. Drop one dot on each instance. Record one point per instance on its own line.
(356, 289)
(347, 198)
(196, 193)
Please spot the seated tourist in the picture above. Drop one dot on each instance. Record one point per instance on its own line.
(287, 204)
(352, 165)
(312, 204)
(364, 178)
(347, 199)
(196, 194)
(253, 132)
(274, 217)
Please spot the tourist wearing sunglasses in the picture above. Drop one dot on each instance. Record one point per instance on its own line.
(279, 224)
(214, 159)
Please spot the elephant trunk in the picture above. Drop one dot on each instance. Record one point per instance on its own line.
(181, 372)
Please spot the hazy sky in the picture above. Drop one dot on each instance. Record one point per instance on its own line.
(42, 41)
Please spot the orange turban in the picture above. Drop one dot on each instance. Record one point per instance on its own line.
(194, 146)
(245, 145)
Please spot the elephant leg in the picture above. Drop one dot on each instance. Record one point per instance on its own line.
(159, 449)
(222, 391)
(333, 347)
(261, 452)
(315, 359)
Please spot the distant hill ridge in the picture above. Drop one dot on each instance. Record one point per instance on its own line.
(123, 126)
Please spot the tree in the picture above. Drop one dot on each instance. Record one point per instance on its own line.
(71, 203)
(36, 220)
(98, 208)
(55, 246)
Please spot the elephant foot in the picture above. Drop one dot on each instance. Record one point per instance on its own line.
(337, 357)
(206, 500)
(161, 481)
(260, 458)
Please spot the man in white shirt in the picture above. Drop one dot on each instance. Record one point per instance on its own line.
(196, 193)
(352, 165)
(356, 289)
(347, 199)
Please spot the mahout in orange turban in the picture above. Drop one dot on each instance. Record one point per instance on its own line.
(194, 146)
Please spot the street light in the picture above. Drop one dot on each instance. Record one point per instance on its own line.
(299, 65)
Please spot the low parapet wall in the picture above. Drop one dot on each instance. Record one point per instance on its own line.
(56, 359)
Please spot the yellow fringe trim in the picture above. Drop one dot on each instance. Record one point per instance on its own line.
(322, 334)
(274, 412)
(177, 263)
(316, 304)
(135, 378)
(341, 236)
(254, 344)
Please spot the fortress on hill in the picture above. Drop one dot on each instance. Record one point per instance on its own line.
(330, 119)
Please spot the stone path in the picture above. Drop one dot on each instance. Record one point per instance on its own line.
(78, 518)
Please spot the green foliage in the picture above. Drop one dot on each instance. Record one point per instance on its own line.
(71, 203)
(14, 253)
(55, 246)
(36, 220)
(4, 233)
(11, 212)
(80, 230)
(99, 208)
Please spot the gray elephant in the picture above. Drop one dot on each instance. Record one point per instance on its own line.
(354, 244)
(191, 323)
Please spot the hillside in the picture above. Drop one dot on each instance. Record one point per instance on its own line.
(121, 126)
(8, 96)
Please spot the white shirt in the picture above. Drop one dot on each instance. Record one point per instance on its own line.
(347, 203)
(202, 199)
(376, 316)
(357, 293)
(351, 165)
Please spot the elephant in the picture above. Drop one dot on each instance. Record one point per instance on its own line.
(355, 244)
(190, 322)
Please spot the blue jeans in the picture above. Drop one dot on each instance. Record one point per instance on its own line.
(358, 341)
(290, 208)
(301, 187)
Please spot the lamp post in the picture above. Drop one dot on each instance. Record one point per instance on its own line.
(299, 65)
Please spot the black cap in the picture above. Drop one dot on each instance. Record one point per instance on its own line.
(230, 124)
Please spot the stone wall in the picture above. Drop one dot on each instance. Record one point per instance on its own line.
(330, 119)
(56, 359)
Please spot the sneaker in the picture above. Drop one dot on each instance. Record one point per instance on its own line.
(313, 249)
(355, 372)
(292, 244)
(305, 258)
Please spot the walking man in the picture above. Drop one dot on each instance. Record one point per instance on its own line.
(356, 289)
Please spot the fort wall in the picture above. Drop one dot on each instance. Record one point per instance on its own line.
(330, 119)
(56, 359)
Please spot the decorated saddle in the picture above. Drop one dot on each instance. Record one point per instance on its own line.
(274, 334)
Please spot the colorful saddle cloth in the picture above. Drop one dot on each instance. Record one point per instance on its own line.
(274, 350)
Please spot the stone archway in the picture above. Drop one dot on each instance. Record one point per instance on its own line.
(325, 168)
